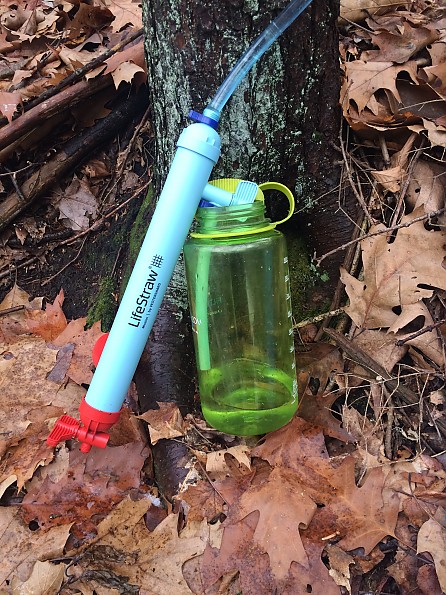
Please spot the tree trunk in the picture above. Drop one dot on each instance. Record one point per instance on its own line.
(280, 125)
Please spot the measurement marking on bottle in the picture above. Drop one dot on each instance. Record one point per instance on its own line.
(288, 296)
(285, 260)
(293, 366)
(290, 314)
(287, 278)
(291, 348)
(290, 331)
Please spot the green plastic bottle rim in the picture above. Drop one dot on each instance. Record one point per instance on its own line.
(262, 187)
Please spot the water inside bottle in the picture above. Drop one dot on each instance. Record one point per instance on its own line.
(246, 397)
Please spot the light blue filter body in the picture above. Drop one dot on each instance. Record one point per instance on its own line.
(198, 151)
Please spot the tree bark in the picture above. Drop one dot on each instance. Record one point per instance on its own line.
(281, 125)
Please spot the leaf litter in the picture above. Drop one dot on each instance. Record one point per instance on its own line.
(317, 506)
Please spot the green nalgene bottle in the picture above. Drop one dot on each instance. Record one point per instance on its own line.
(239, 294)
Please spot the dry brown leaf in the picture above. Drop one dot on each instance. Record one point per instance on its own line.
(239, 551)
(127, 72)
(46, 579)
(340, 563)
(358, 10)
(432, 539)
(9, 103)
(126, 12)
(80, 370)
(395, 274)
(29, 402)
(315, 366)
(427, 581)
(400, 45)
(165, 422)
(284, 509)
(428, 343)
(77, 204)
(363, 79)
(151, 560)
(96, 481)
(216, 461)
(427, 186)
(362, 516)
(48, 323)
(21, 547)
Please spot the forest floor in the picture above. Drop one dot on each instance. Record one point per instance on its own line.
(349, 497)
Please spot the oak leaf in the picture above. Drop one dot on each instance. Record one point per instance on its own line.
(364, 79)
(9, 103)
(395, 274)
(238, 551)
(128, 72)
(80, 370)
(165, 422)
(284, 508)
(362, 516)
(315, 366)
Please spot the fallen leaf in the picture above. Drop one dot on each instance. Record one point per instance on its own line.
(340, 563)
(363, 79)
(315, 366)
(399, 46)
(46, 579)
(238, 551)
(21, 547)
(358, 10)
(128, 72)
(96, 481)
(282, 502)
(9, 103)
(152, 560)
(126, 12)
(77, 203)
(48, 323)
(216, 461)
(165, 422)
(361, 516)
(80, 370)
(395, 274)
(427, 581)
(432, 539)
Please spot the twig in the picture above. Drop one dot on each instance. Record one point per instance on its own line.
(384, 149)
(7, 311)
(72, 261)
(426, 329)
(388, 449)
(358, 195)
(380, 232)
(403, 190)
(318, 318)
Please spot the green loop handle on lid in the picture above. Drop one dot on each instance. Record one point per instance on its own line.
(230, 184)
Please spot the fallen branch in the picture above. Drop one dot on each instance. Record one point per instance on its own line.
(426, 329)
(64, 100)
(74, 152)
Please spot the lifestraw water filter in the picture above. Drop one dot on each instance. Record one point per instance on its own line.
(198, 149)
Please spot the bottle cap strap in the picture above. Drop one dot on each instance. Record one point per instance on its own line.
(284, 190)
